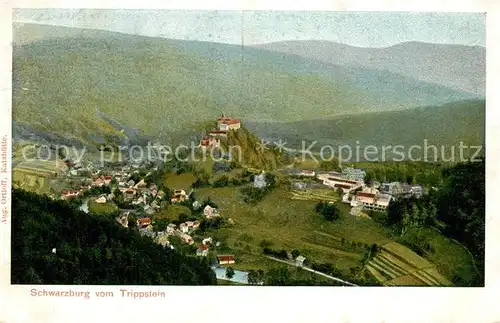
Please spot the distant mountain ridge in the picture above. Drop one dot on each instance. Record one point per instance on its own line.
(97, 85)
(443, 126)
(457, 66)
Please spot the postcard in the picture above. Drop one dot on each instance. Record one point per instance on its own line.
(155, 155)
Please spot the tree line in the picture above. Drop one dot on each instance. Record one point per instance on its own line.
(456, 208)
(54, 243)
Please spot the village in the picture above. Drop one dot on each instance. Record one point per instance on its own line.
(135, 192)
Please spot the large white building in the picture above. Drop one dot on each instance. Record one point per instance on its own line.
(371, 201)
(339, 182)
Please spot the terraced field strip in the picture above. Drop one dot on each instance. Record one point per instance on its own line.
(407, 280)
(311, 195)
(401, 266)
(407, 255)
(386, 272)
(433, 272)
(418, 272)
(389, 266)
(396, 261)
(35, 171)
(379, 275)
(328, 235)
(426, 278)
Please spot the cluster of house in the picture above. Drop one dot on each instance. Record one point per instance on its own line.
(402, 190)
(97, 179)
(356, 193)
(145, 227)
(182, 231)
(224, 124)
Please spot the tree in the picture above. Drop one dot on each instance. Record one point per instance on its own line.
(229, 272)
(271, 180)
(295, 253)
(431, 214)
(221, 181)
(406, 222)
(208, 201)
(328, 210)
(369, 177)
(253, 277)
(260, 275)
(265, 243)
(415, 216)
(278, 277)
(90, 250)
(135, 177)
(119, 199)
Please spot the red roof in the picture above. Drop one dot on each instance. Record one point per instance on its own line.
(230, 121)
(206, 142)
(108, 177)
(66, 192)
(225, 258)
(342, 180)
(203, 247)
(144, 221)
(342, 186)
(365, 194)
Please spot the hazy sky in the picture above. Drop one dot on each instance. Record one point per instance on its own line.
(363, 29)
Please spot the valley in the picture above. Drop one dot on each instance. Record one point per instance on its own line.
(264, 213)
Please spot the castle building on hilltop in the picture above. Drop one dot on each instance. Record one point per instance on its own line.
(226, 123)
(209, 141)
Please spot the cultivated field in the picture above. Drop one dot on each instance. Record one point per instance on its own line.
(290, 223)
(396, 265)
(327, 195)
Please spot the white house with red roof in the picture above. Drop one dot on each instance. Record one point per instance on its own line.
(225, 123)
(67, 194)
(143, 222)
(202, 250)
(225, 259)
(210, 212)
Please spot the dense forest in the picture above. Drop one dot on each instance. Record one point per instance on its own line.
(90, 250)
(456, 208)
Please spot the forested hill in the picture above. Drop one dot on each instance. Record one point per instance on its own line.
(90, 250)
(97, 86)
(456, 208)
